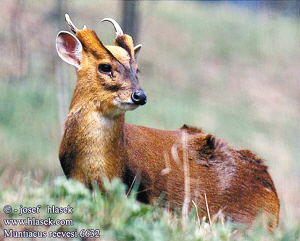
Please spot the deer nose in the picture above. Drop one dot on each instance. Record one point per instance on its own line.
(139, 97)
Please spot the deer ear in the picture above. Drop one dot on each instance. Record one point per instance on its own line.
(69, 48)
(137, 51)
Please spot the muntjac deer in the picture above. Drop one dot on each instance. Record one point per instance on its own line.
(97, 142)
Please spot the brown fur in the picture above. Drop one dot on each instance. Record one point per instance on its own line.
(97, 142)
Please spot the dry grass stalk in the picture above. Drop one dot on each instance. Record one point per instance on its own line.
(207, 209)
(198, 218)
(129, 190)
(187, 187)
(174, 153)
(168, 165)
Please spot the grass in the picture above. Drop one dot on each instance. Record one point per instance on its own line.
(28, 125)
(119, 217)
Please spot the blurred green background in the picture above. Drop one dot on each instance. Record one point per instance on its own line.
(230, 69)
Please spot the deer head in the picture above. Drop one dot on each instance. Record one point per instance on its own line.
(107, 75)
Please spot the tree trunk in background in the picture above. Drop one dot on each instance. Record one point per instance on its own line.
(62, 93)
(291, 7)
(298, 9)
(19, 51)
(130, 19)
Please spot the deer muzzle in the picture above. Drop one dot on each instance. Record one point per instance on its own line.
(139, 97)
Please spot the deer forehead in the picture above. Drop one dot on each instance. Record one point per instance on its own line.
(119, 53)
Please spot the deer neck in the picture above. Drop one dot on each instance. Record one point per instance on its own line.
(100, 140)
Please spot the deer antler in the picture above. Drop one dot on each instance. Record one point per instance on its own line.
(119, 31)
(71, 24)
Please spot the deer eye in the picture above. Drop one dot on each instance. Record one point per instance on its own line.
(105, 68)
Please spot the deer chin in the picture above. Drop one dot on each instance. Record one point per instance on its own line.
(125, 105)
(128, 106)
